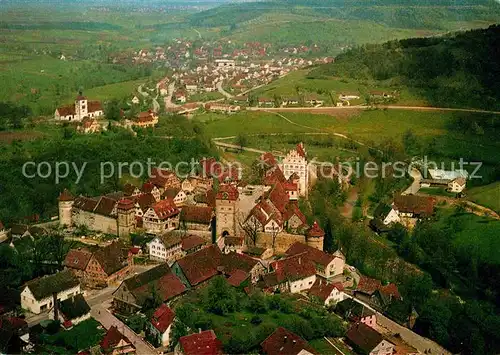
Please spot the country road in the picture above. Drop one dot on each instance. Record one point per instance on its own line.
(222, 91)
(156, 105)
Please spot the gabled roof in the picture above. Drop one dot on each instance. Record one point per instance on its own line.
(162, 318)
(148, 187)
(293, 209)
(160, 177)
(273, 176)
(353, 310)
(192, 241)
(268, 158)
(201, 265)
(129, 189)
(77, 259)
(202, 343)
(197, 214)
(322, 288)
(144, 200)
(165, 209)
(368, 285)
(237, 277)
(170, 239)
(112, 258)
(418, 205)
(105, 206)
(227, 192)
(290, 269)
(364, 337)
(279, 197)
(45, 286)
(94, 106)
(146, 277)
(171, 192)
(236, 261)
(66, 110)
(284, 342)
(309, 253)
(113, 338)
(74, 307)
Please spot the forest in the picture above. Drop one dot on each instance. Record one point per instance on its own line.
(459, 70)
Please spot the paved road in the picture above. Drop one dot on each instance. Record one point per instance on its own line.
(156, 105)
(222, 91)
(415, 185)
(103, 316)
(168, 98)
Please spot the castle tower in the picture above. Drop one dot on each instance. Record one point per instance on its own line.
(315, 236)
(81, 107)
(225, 210)
(65, 206)
(295, 162)
(126, 217)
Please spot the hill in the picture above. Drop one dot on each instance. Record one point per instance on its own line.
(455, 70)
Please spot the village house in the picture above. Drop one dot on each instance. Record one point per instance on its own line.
(116, 343)
(145, 119)
(368, 341)
(79, 110)
(105, 266)
(166, 248)
(159, 327)
(283, 341)
(264, 101)
(142, 203)
(293, 274)
(192, 243)
(202, 343)
(196, 218)
(164, 179)
(198, 267)
(162, 217)
(233, 244)
(181, 97)
(38, 295)
(89, 125)
(295, 162)
(71, 311)
(192, 184)
(176, 194)
(327, 265)
(406, 209)
(149, 188)
(220, 107)
(374, 293)
(326, 292)
(354, 312)
(133, 292)
(457, 185)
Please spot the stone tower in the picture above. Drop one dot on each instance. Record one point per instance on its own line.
(315, 236)
(81, 107)
(126, 217)
(65, 206)
(226, 203)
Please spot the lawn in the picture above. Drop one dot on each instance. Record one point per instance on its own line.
(82, 336)
(488, 196)
(436, 191)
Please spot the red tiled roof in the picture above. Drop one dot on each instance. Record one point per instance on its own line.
(160, 177)
(77, 259)
(364, 337)
(165, 209)
(273, 176)
(105, 206)
(125, 204)
(144, 200)
(66, 110)
(316, 231)
(94, 106)
(269, 159)
(66, 196)
(418, 205)
(237, 277)
(293, 210)
(227, 192)
(201, 265)
(147, 187)
(162, 318)
(390, 290)
(315, 255)
(112, 338)
(279, 197)
(368, 285)
(322, 289)
(196, 214)
(236, 261)
(292, 268)
(202, 343)
(192, 241)
(282, 341)
(134, 250)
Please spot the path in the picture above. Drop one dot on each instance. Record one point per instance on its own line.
(156, 105)
(103, 316)
(198, 32)
(417, 341)
(415, 185)
(222, 91)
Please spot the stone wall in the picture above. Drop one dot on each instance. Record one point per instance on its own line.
(95, 222)
(282, 243)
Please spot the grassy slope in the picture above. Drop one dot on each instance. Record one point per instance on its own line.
(488, 196)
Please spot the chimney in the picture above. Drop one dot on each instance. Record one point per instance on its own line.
(56, 306)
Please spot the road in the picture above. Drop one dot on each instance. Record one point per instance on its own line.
(222, 91)
(168, 98)
(156, 105)
(415, 185)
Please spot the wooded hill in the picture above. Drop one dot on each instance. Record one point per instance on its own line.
(457, 70)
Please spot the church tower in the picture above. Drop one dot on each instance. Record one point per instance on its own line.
(65, 206)
(315, 236)
(126, 217)
(81, 107)
(226, 202)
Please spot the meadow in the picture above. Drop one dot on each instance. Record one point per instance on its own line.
(488, 195)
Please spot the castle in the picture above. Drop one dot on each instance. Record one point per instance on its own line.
(81, 109)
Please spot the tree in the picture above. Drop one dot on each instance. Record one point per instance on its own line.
(257, 303)
(220, 297)
(179, 329)
(242, 140)
(277, 100)
(112, 110)
(251, 228)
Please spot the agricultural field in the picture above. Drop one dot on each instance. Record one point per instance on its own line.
(488, 196)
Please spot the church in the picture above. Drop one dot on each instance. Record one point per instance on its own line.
(79, 110)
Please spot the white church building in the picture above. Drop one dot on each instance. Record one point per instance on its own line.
(296, 163)
(79, 110)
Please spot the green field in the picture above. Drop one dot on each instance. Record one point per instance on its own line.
(488, 196)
